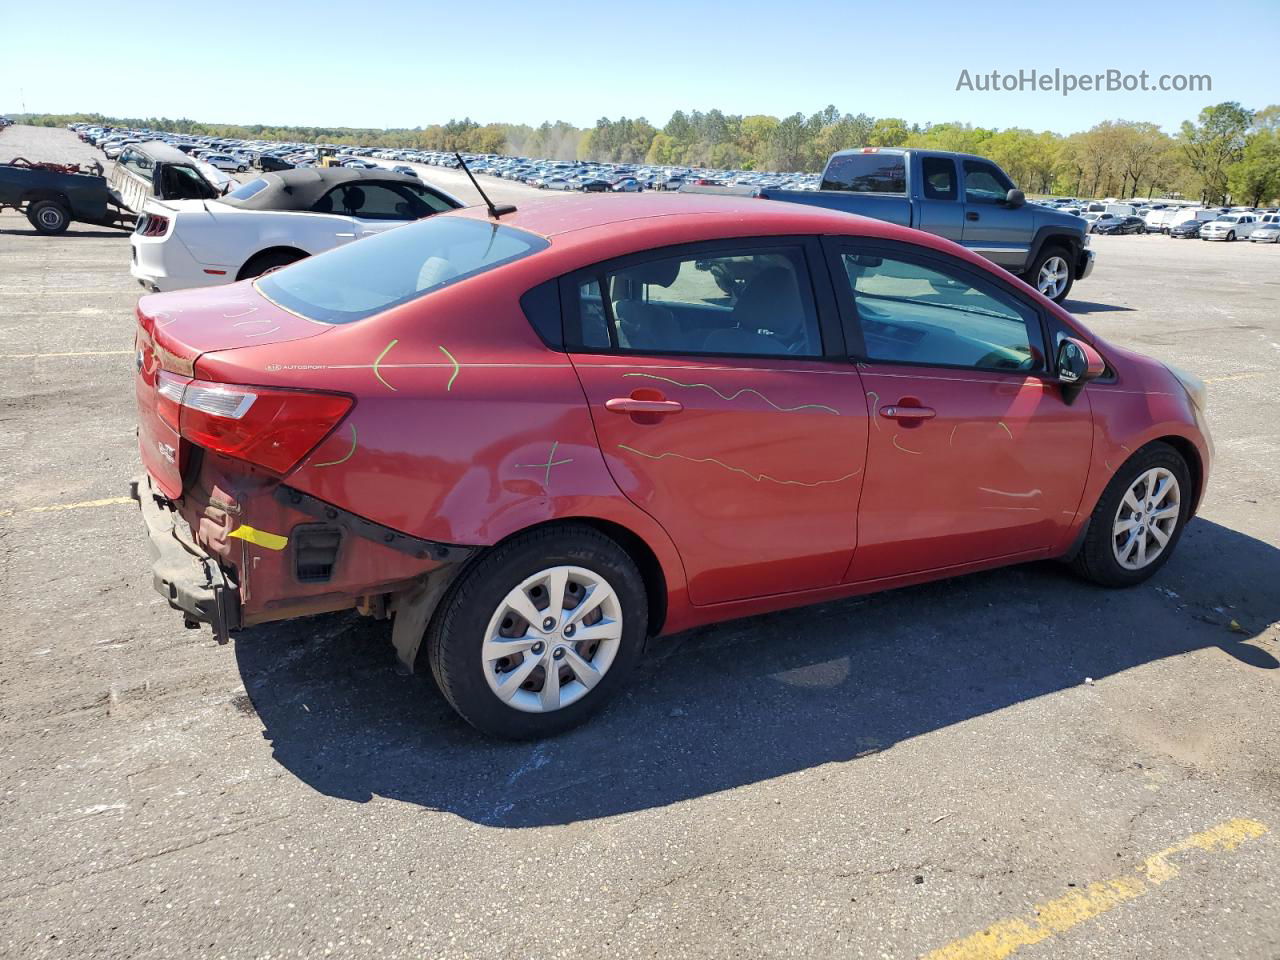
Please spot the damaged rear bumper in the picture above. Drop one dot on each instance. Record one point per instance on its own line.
(185, 575)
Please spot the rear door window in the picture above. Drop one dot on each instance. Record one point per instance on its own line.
(939, 175)
(753, 302)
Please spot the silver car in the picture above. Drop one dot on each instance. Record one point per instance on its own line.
(1229, 226)
(1266, 233)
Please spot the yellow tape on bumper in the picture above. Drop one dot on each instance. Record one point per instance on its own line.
(271, 541)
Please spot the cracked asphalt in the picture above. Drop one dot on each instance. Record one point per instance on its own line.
(1079, 773)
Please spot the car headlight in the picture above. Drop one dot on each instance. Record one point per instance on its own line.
(1194, 386)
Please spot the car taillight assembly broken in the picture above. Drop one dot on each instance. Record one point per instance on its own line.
(271, 428)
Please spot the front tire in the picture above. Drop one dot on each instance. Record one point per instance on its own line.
(540, 633)
(1231, 236)
(1051, 273)
(1138, 520)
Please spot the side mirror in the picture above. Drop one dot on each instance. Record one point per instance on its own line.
(1078, 363)
(1015, 198)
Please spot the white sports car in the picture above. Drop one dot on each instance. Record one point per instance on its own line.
(269, 222)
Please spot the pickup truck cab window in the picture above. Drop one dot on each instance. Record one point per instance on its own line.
(939, 175)
(984, 183)
(920, 312)
(866, 173)
(755, 302)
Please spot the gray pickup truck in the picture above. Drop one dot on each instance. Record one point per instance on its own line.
(962, 197)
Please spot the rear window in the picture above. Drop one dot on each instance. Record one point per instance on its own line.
(866, 173)
(247, 190)
(381, 272)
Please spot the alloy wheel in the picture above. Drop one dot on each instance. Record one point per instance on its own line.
(552, 639)
(1146, 518)
(1053, 277)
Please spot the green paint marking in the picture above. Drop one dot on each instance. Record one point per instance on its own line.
(551, 462)
(737, 394)
(757, 477)
(456, 368)
(350, 453)
(379, 360)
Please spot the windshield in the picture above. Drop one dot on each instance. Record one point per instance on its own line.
(378, 273)
(1228, 219)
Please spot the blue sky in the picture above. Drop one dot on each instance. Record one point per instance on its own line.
(401, 63)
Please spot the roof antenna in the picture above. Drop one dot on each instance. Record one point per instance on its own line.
(494, 211)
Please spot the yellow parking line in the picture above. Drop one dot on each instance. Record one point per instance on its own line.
(80, 353)
(1058, 916)
(1238, 376)
(82, 505)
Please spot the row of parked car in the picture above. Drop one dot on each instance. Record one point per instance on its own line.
(591, 176)
(588, 176)
(1180, 221)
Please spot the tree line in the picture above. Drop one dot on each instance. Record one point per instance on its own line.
(1227, 152)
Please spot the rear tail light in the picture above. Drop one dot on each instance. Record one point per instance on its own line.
(271, 428)
(152, 225)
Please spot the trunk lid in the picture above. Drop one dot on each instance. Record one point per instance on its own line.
(174, 331)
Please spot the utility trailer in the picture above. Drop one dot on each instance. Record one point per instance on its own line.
(52, 195)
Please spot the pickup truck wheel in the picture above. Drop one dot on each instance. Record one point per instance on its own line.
(262, 262)
(539, 633)
(1051, 273)
(49, 217)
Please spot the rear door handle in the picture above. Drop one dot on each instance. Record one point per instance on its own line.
(631, 405)
(897, 412)
(972, 215)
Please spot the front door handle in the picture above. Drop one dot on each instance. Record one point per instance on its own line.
(632, 405)
(899, 412)
(972, 215)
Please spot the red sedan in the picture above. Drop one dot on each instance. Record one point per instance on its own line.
(533, 443)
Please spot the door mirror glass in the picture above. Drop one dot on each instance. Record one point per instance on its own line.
(1078, 363)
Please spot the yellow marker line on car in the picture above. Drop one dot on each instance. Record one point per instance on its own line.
(83, 504)
(81, 353)
(1058, 916)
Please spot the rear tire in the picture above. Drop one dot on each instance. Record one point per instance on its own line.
(475, 623)
(262, 262)
(1107, 540)
(49, 217)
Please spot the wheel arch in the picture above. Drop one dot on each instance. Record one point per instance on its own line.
(1054, 236)
(651, 570)
(1187, 450)
(1184, 447)
(267, 251)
